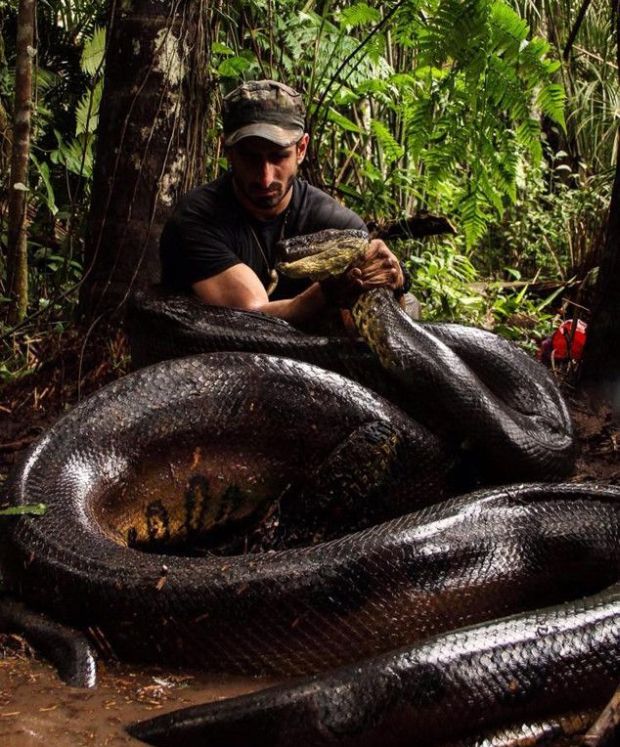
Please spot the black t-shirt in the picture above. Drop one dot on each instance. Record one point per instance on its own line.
(210, 231)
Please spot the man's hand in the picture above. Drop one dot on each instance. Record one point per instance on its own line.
(380, 268)
(238, 287)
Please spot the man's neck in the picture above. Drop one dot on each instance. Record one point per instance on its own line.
(263, 214)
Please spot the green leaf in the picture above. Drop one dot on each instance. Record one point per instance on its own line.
(491, 194)
(343, 122)
(551, 298)
(233, 67)
(391, 148)
(473, 217)
(45, 79)
(360, 14)
(76, 156)
(551, 99)
(219, 48)
(27, 509)
(528, 135)
(87, 110)
(44, 173)
(509, 29)
(93, 53)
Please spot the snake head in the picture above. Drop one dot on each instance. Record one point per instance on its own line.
(322, 255)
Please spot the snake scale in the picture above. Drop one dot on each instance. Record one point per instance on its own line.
(491, 616)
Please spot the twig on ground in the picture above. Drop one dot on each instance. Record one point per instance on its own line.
(605, 732)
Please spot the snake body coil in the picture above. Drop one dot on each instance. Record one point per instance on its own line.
(158, 484)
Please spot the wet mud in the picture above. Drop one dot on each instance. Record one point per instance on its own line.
(36, 708)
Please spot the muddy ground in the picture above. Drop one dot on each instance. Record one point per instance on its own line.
(36, 708)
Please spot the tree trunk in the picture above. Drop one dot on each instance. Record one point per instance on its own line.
(601, 364)
(150, 142)
(17, 259)
(6, 134)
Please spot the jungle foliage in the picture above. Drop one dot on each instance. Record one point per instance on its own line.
(479, 110)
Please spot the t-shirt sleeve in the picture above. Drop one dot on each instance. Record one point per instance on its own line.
(321, 212)
(192, 248)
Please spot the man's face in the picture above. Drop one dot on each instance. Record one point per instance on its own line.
(263, 171)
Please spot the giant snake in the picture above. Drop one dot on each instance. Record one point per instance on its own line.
(157, 484)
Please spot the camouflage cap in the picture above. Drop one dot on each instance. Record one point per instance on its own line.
(263, 108)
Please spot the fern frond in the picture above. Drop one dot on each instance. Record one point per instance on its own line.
(509, 30)
(459, 30)
(93, 52)
(375, 49)
(392, 150)
(473, 215)
(534, 63)
(45, 79)
(551, 99)
(360, 14)
(506, 167)
(492, 195)
(528, 135)
(417, 123)
(503, 86)
(87, 110)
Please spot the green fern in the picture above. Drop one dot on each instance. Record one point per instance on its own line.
(391, 149)
(93, 53)
(417, 123)
(506, 164)
(492, 191)
(509, 31)
(360, 14)
(76, 156)
(528, 135)
(474, 216)
(551, 99)
(87, 110)
(459, 31)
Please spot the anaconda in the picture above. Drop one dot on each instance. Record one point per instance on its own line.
(141, 477)
(470, 386)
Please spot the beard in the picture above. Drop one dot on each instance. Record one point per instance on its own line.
(266, 198)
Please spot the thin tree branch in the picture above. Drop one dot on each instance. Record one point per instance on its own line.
(576, 26)
(596, 57)
(606, 729)
(350, 56)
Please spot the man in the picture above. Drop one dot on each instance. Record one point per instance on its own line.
(220, 242)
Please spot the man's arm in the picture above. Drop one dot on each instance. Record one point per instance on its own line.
(239, 287)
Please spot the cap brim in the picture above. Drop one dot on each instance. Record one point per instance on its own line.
(275, 134)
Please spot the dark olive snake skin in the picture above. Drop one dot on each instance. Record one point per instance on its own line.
(467, 384)
(498, 609)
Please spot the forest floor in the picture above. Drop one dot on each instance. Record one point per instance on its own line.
(36, 708)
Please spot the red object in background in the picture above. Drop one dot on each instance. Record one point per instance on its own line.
(562, 345)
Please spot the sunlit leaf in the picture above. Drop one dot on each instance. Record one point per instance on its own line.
(93, 52)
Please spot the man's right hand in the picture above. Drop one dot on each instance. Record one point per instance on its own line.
(379, 269)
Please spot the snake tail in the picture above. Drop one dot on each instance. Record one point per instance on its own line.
(518, 667)
(66, 648)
